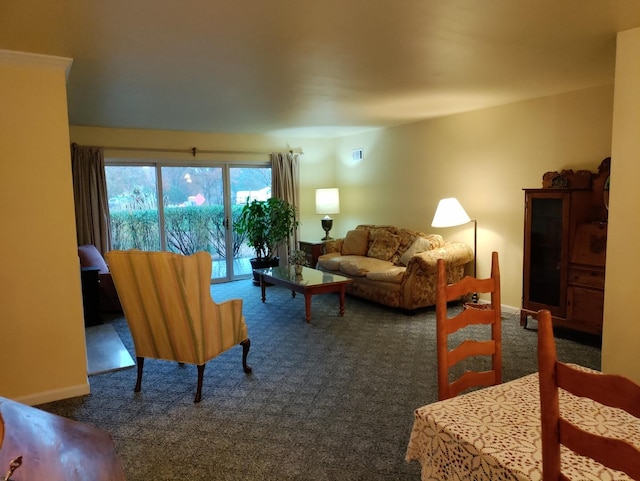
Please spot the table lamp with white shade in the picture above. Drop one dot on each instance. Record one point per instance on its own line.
(327, 203)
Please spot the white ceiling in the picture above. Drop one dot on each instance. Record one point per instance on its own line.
(326, 67)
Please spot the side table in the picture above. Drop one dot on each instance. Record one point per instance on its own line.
(55, 448)
(313, 250)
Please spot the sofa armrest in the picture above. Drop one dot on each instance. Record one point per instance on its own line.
(419, 282)
(454, 253)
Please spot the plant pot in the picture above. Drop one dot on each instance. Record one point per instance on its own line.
(298, 269)
(262, 264)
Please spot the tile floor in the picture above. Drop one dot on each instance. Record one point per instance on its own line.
(105, 351)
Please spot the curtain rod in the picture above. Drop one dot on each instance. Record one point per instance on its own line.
(194, 151)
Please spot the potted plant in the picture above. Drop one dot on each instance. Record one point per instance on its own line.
(266, 223)
(298, 259)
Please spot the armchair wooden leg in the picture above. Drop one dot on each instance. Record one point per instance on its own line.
(140, 363)
(200, 378)
(246, 344)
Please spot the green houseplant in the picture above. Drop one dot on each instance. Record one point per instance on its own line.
(266, 223)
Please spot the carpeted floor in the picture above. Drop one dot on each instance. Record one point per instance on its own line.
(331, 400)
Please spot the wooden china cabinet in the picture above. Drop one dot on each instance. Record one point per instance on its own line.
(565, 238)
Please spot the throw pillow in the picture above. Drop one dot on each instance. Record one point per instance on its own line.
(420, 244)
(356, 243)
(436, 240)
(383, 245)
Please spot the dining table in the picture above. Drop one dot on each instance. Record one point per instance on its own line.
(38, 445)
(494, 433)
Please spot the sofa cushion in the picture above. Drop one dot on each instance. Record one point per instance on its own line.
(356, 243)
(420, 244)
(358, 266)
(392, 274)
(383, 244)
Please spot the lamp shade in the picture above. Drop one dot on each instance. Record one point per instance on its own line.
(327, 201)
(449, 213)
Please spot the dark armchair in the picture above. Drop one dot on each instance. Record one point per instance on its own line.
(91, 257)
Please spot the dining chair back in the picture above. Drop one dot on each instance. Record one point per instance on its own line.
(607, 389)
(166, 298)
(472, 314)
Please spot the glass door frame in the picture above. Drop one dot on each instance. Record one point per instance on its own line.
(226, 166)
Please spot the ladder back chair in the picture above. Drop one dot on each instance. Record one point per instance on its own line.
(607, 389)
(485, 314)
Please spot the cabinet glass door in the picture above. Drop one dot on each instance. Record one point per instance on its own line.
(546, 251)
(545, 273)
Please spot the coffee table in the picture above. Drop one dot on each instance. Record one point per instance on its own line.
(309, 282)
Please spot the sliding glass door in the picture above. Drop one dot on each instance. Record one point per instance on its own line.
(246, 184)
(194, 213)
(133, 207)
(198, 209)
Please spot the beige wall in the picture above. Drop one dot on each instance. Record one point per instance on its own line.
(484, 158)
(43, 355)
(621, 336)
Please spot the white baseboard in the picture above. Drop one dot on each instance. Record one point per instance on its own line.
(55, 395)
(505, 309)
(510, 309)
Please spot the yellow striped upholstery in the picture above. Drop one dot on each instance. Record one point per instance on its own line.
(167, 302)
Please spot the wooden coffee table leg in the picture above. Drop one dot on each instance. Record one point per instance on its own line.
(263, 287)
(342, 291)
(307, 306)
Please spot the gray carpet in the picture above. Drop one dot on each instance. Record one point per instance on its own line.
(331, 400)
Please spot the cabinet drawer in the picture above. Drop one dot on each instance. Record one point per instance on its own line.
(586, 277)
(585, 307)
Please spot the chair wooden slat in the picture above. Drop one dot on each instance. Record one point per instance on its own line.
(469, 284)
(603, 390)
(470, 348)
(471, 379)
(470, 317)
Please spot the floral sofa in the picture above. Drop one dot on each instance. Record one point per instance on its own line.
(392, 266)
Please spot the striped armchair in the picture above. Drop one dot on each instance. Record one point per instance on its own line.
(167, 302)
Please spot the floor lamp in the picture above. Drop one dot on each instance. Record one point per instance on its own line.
(450, 213)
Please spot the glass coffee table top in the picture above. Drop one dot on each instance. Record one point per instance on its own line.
(308, 282)
(308, 276)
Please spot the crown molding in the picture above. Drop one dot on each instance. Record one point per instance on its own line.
(27, 58)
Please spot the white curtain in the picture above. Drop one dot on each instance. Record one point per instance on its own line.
(285, 169)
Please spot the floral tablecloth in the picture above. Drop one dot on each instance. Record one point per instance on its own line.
(494, 434)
